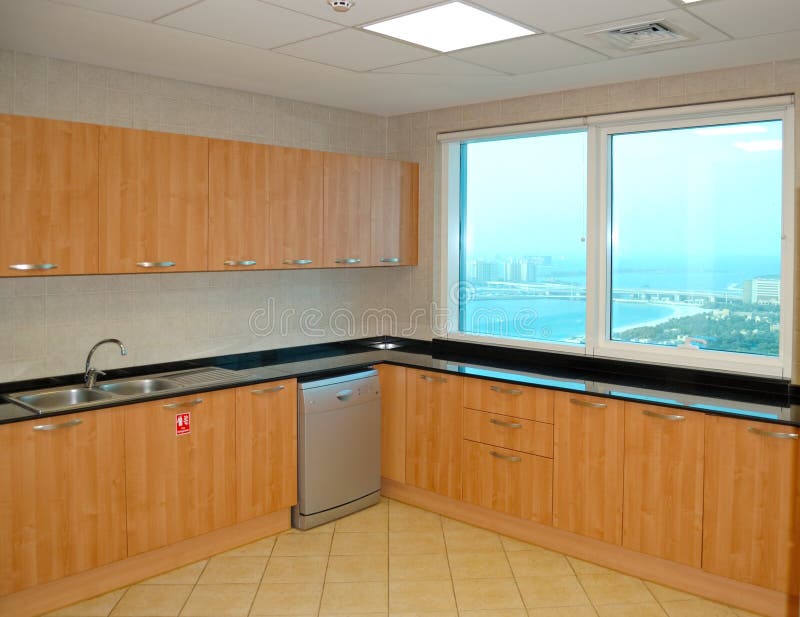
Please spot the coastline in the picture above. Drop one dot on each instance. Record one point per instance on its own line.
(678, 310)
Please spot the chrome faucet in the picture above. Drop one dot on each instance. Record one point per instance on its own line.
(90, 376)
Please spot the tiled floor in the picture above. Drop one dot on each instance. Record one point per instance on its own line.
(397, 561)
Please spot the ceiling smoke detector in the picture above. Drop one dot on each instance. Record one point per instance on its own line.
(341, 6)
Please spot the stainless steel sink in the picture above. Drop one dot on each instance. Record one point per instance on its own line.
(136, 387)
(59, 399)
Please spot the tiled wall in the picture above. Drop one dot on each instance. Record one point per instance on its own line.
(48, 324)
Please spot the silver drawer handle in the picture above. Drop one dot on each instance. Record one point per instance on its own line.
(428, 378)
(244, 262)
(348, 260)
(511, 391)
(32, 266)
(191, 403)
(763, 433)
(53, 427)
(510, 459)
(580, 403)
(672, 417)
(297, 262)
(505, 424)
(390, 260)
(155, 264)
(267, 390)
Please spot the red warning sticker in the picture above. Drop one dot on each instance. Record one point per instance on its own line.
(183, 423)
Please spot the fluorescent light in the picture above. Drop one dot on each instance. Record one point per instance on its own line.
(767, 145)
(449, 27)
(690, 1)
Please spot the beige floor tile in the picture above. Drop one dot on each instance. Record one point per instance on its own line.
(468, 539)
(614, 589)
(473, 595)
(538, 562)
(259, 548)
(223, 570)
(231, 600)
(740, 612)
(360, 543)
(586, 567)
(187, 575)
(500, 612)
(408, 518)
(309, 569)
(152, 601)
(697, 608)
(353, 598)
(419, 568)
(325, 528)
(357, 568)
(302, 545)
(372, 519)
(423, 614)
(421, 596)
(512, 544)
(551, 591)
(649, 609)
(287, 599)
(94, 607)
(563, 611)
(416, 543)
(667, 594)
(479, 565)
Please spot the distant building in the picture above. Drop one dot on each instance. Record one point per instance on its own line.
(487, 271)
(762, 290)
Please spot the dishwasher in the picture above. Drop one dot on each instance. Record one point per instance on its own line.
(339, 447)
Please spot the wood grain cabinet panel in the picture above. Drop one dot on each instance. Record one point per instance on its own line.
(238, 205)
(153, 201)
(179, 486)
(393, 421)
(588, 472)
(509, 399)
(395, 212)
(508, 432)
(751, 526)
(62, 497)
(48, 196)
(663, 493)
(433, 432)
(266, 448)
(348, 210)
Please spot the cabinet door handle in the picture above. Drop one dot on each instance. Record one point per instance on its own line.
(183, 404)
(504, 457)
(672, 417)
(763, 433)
(428, 378)
(580, 403)
(267, 390)
(53, 427)
(297, 262)
(511, 391)
(32, 266)
(505, 424)
(348, 260)
(243, 262)
(390, 260)
(155, 264)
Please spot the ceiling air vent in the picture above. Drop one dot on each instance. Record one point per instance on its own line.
(647, 34)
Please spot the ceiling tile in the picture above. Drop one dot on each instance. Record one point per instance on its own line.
(249, 22)
(556, 15)
(526, 55)
(355, 50)
(364, 11)
(741, 18)
(438, 65)
(146, 10)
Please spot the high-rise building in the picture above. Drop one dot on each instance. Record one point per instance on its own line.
(762, 290)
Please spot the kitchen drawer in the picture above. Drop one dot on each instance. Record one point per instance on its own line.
(509, 399)
(509, 432)
(507, 481)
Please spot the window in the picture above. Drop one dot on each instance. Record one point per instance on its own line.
(661, 236)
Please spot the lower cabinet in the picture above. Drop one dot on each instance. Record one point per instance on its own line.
(62, 497)
(393, 421)
(180, 480)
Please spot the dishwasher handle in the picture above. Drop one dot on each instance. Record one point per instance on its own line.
(344, 395)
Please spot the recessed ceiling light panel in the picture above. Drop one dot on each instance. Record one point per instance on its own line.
(449, 27)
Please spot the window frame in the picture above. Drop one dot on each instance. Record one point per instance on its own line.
(598, 230)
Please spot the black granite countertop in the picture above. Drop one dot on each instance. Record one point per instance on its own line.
(751, 398)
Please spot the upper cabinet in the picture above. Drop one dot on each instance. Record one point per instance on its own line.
(348, 210)
(48, 197)
(395, 213)
(153, 201)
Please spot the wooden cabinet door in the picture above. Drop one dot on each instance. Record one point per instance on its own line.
(751, 525)
(663, 495)
(393, 421)
(179, 485)
(395, 213)
(433, 432)
(62, 497)
(48, 197)
(153, 201)
(295, 208)
(266, 448)
(238, 205)
(348, 210)
(588, 453)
